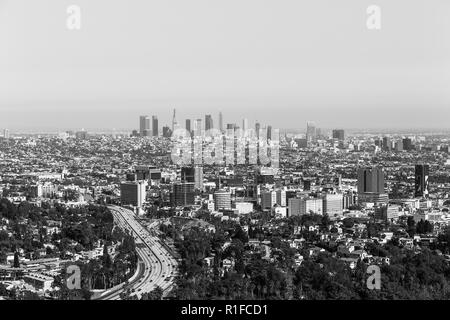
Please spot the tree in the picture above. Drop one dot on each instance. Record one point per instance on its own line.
(16, 260)
(348, 223)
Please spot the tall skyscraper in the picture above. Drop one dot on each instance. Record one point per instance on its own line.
(155, 128)
(198, 127)
(310, 131)
(188, 125)
(208, 122)
(371, 186)
(257, 128)
(339, 134)
(245, 124)
(422, 172)
(269, 132)
(370, 180)
(6, 133)
(187, 174)
(167, 133)
(144, 124)
(387, 145)
(220, 122)
(183, 194)
(198, 177)
(133, 193)
(174, 120)
(222, 200)
(407, 144)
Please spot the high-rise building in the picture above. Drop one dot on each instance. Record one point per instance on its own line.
(167, 133)
(198, 177)
(6, 133)
(301, 206)
(333, 204)
(174, 120)
(339, 134)
(422, 172)
(268, 199)
(133, 193)
(142, 172)
(187, 174)
(222, 200)
(208, 122)
(387, 145)
(220, 122)
(198, 130)
(183, 194)
(310, 131)
(399, 145)
(188, 125)
(370, 180)
(257, 128)
(407, 144)
(155, 127)
(269, 132)
(144, 124)
(245, 124)
(281, 198)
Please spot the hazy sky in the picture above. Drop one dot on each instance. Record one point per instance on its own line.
(282, 62)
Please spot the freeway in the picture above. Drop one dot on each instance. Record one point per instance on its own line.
(158, 267)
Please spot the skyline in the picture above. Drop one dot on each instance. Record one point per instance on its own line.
(215, 118)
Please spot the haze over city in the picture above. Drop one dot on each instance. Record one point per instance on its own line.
(294, 63)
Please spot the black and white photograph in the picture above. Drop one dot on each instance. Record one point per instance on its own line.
(193, 152)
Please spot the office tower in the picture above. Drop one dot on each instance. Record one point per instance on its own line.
(301, 206)
(220, 122)
(269, 132)
(198, 130)
(222, 200)
(198, 177)
(143, 172)
(257, 128)
(387, 144)
(135, 133)
(245, 124)
(187, 174)
(144, 124)
(208, 122)
(268, 199)
(399, 145)
(370, 180)
(6, 133)
(339, 134)
(421, 180)
(310, 131)
(133, 193)
(174, 120)
(281, 198)
(388, 213)
(371, 186)
(407, 144)
(231, 126)
(183, 194)
(167, 133)
(155, 127)
(188, 125)
(333, 204)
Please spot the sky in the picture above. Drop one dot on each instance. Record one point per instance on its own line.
(281, 62)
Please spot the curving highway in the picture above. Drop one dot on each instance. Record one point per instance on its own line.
(157, 267)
